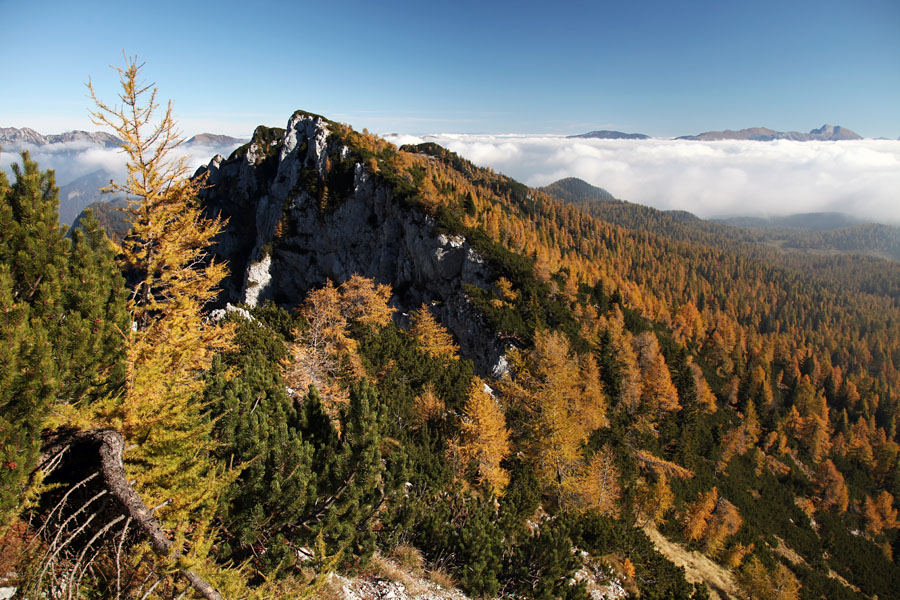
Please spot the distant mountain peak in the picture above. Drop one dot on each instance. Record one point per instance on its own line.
(606, 134)
(576, 191)
(214, 139)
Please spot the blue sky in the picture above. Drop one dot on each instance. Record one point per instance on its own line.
(664, 68)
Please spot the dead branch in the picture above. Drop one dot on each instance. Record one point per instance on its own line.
(110, 447)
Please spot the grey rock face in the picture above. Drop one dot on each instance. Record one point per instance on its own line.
(280, 243)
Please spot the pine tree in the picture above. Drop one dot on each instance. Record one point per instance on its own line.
(260, 427)
(358, 480)
(63, 321)
(29, 299)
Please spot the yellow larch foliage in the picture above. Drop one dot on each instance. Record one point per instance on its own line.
(661, 466)
(629, 399)
(593, 398)
(599, 485)
(658, 393)
(725, 521)
(364, 301)
(688, 323)
(485, 438)
(430, 335)
(740, 439)
(762, 584)
(171, 344)
(325, 345)
(705, 398)
(427, 406)
(880, 513)
(735, 555)
(561, 396)
(698, 514)
(885, 504)
(652, 500)
(874, 522)
(505, 289)
(315, 358)
(831, 487)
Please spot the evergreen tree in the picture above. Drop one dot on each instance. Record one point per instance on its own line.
(63, 320)
(260, 428)
(28, 296)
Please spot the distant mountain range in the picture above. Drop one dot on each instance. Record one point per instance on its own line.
(85, 162)
(606, 134)
(13, 139)
(830, 133)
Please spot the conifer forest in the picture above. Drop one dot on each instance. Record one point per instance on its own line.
(592, 394)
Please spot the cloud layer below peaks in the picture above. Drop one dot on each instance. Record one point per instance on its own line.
(709, 179)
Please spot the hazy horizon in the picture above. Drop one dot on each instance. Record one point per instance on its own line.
(709, 179)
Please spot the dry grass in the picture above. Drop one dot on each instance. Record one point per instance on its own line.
(697, 567)
(385, 568)
(333, 590)
(409, 558)
(789, 553)
(442, 578)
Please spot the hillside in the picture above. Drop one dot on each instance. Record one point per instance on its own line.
(538, 398)
(789, 354)
(818, 238)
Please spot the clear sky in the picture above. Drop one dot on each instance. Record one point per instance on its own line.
(664, 68)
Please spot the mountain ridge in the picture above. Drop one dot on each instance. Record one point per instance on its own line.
(763, 134)
(700, 351)
(606, 134)
(18, 138)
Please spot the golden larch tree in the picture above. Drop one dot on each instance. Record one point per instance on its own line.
(171, 278)
(485, 438)
(430, 335)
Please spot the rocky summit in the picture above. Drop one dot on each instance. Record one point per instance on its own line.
(283, 238)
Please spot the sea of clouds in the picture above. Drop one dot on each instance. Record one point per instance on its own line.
(71, 160)
(709, 179)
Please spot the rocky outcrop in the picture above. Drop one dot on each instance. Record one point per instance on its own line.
(302, 211)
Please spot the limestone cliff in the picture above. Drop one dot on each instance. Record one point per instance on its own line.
(301, 210)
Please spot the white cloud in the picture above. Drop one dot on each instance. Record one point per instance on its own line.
(707, 178)
(71, 160)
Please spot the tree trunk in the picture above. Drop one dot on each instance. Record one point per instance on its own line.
(110, 446)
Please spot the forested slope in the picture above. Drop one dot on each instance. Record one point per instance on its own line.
(743, 407)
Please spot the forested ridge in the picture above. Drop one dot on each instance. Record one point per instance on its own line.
(660, 380)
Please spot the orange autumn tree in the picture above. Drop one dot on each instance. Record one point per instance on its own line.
(485, 439)
(324, 347)
(564, 404)
(430, 335)
(170, 345)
